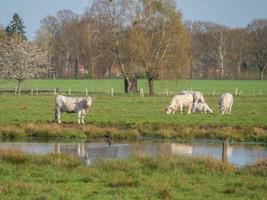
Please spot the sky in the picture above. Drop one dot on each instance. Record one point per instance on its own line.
(232, 13)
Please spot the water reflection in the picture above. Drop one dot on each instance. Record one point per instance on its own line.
(238, 154)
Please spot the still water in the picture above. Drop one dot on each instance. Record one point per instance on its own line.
(237, 154)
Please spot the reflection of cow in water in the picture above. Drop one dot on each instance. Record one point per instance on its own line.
(79, 105)
(178, 149)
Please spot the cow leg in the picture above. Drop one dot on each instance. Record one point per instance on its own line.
(181, 108)
(83, 112)
(189, 109)
(230, 109)
(79, 117)
(83, 118)
(57, 115)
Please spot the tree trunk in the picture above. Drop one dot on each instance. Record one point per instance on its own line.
(262, 74)
(151, 86)
(126, 77)
(191, 70)
(221, 71)
(238, 70)
(19, 87)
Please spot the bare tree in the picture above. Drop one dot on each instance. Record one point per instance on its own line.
(258, 39)
(238, 52)
(219, 46)
(159, 40)
(117, 16)
(21, 60)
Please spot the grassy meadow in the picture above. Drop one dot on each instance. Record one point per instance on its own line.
(58, 176)
(130, 116)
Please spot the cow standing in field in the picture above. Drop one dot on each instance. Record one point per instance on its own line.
(79, 105)
(180, 101)
(201, 107)
(197, 95)
(225, 103)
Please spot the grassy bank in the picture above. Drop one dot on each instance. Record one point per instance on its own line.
(57, 176)
(130, 117)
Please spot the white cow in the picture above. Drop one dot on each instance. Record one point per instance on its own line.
(197, 95)
(201, 107)
(225, 103)
(180, 101)
(79, 105)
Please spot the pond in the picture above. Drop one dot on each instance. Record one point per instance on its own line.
(235, 153)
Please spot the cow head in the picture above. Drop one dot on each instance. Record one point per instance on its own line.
(169, 110)
(210, 111)
(88, 101)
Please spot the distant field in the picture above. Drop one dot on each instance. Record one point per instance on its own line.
(246, 87)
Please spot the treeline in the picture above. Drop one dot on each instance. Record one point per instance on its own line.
(129, 38)
(220, 52)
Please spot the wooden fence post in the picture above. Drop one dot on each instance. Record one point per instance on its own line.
(142, 92)
(236, 91)
(55, 91)
(214, 92)
(112, 92)
(86, 92)
(37, 91)
(167, 92)
(31, 92)
(69, 91)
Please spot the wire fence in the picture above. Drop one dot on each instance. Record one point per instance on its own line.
(112, 92)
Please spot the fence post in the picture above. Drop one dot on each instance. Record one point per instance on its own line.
(15, 91)
(37, 91)
(31, 92)
(86, 92)
(112, 92)
(214, 92)
(167, 92)
(261, 92)
(69, 91)
(142, 92)
(55, 91)
(236, 91)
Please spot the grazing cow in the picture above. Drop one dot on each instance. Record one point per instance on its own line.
(180, 101)
(72, 105)
(197, 95)
(201, 107)
(225, 103)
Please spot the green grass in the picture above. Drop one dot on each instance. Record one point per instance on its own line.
(247, 87)
(57, 176)
(126, 116)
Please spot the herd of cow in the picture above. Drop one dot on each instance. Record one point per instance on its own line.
(194, 100)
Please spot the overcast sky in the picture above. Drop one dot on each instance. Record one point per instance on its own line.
(233, 13)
